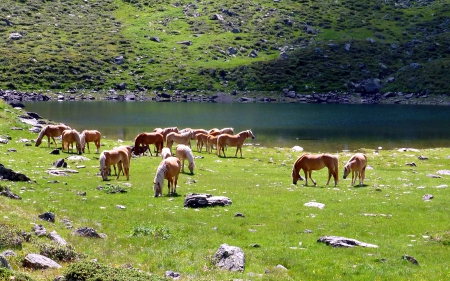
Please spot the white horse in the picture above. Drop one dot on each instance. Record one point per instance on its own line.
(166, 153)
(184, 152)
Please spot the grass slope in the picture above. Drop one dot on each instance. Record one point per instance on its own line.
(159, 234)
(201, 45)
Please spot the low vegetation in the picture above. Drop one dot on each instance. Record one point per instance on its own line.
(306, 46)
(146, 235)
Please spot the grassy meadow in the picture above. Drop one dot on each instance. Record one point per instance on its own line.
(159, 234)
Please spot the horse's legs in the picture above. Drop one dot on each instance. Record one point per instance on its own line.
(354, 175)
(306, 177)
(310, 173)
(175, 181)
(182, 165)
(120, 168)
(363, 173)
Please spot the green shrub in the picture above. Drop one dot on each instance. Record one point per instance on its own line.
(10, 237)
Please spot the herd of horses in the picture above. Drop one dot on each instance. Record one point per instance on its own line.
(172, 164)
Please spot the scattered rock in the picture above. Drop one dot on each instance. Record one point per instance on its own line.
(87, 232)
(433, 176)
(421, 157)
(58, 239)
(48, 216)
(195, 200)
(297, 148)
(8, 193)
(36, 261)
(9, 174)
(172, 274)
(315, 204)
(279, 266)
(4, 263)
(54, 152)
(239, 215)
(337, 241)
(229, 258)
(39, 230)
(412, 164)
(410, 259)
(443, 172)
(60, 163)
(427, 197)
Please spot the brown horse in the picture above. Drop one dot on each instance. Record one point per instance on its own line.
(357, 165)
(167, 131)
(211, 142)
(68, 138)
(309, 163)
(185, 152)
(51, 131)
(168, 169)
(229, 131)
(88, 136)
(233, 140)
(127, 149)
(112, 157)
(183, 138)
(146, 139)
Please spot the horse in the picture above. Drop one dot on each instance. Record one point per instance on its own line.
(309, 163)
(184, 138)
(51, 131)
(147, 139)
(167, 131)
(233, 140)
(357, 165)
(128, 150)
(166, 153)
(184, 152)
(229, 131)
(202, 139)
(210, 142)
(68, 138)
(112, 157)
(168, 169)
(88, 136)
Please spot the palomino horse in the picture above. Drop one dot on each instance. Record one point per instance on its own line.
(167, 131)
(127, 149)
(165, 152)
(51, 131)
(309, 163)
(229, 131)
(233, 140)
(88, 136)
(184, 152)
(202, 139)
(68, 138)
(147, 139)
(184, 138)
(112, 157)
(168, 169)
(357, 165)
(211, 141)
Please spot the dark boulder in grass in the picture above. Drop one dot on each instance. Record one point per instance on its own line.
(229, 258)
(87, 232)
(195, 200)
(9, 174)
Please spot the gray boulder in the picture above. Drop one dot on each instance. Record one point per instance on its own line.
(229, 258)
(36, 261)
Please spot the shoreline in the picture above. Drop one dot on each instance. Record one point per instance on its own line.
(15, 97)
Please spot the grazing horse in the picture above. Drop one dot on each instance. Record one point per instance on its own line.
(88, 136)
(168, 169)
(127, 149)
(166, 153)
(68, 138)
(183, 138)
(147, 139)
(357, 165)
(233, 140)
(51, 131)
(167, 131)
(309, 163)
(202, 139)
(184, 152)
(112, 157)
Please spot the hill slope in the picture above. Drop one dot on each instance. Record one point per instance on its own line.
(366, 46)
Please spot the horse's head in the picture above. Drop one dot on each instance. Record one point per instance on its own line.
(38, 142)
(250, 134)
(295, 176)
(157, 188)
(191, 167)
(346, 171)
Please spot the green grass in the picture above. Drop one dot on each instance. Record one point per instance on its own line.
(159, 234)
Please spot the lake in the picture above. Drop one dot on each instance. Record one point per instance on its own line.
(315, 127)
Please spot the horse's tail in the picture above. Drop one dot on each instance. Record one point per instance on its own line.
(40, 136)
(336, 167)
(78, 141)
(83, 139)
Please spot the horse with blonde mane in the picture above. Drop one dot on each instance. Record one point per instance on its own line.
(202, 139)
(51, 131)
(357, 165)
(166, 153)
(112, 157)
(308, 163)
(183, 138)
(167, 131)
(233, 140)
(211, 141)
(229, 131)
(168, 169)
(127, 149)
(147, 139)
(88, 136)
(68, 138)
(184, 152)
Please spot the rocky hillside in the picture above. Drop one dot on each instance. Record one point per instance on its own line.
(365, 46)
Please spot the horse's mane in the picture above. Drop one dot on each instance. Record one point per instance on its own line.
(160, 174)
(83, 138)
(41, 133)
(189, 155)
(102, 160)
(226, 129)
(173, 129)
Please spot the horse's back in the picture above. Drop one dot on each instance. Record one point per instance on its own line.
(173, 165)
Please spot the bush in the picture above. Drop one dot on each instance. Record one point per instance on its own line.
(10, 237)
(91, 271)
(58, 252)
(6, 274)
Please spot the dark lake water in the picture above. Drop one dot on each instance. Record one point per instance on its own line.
(315, 127)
